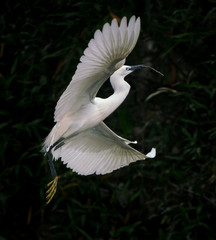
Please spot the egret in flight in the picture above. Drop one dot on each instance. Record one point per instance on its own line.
(80, 137)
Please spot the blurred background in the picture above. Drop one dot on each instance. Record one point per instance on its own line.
(170, 197)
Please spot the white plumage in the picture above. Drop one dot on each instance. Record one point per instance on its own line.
(86, 144)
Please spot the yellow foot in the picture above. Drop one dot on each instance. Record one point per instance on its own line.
(52, 187)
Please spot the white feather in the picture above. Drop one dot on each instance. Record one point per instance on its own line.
(98, 150)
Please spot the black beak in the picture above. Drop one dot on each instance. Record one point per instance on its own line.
(133, 68)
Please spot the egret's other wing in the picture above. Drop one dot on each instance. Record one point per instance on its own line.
(106, 53)
(98, 150)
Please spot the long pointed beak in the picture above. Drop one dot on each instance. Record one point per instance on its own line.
(133, 68)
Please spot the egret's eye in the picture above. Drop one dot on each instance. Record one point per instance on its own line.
(127, 68)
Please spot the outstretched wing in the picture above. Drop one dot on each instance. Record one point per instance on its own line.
(106, 53)
(98, 150)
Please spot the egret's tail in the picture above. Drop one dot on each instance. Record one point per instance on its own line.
(49, 139)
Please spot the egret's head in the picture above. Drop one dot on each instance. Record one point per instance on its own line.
(125, 70)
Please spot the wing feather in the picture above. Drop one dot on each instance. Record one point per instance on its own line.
(108, 47)
(115, 29)
(98, 150)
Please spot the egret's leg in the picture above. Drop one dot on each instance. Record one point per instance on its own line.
(51, 165)
(52, 186)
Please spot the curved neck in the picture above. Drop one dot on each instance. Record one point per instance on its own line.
(121, 89)
(119, 85)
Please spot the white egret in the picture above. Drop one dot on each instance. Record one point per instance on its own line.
(80, 137)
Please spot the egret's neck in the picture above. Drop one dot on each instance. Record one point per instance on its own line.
(121, 89)
(119, 85)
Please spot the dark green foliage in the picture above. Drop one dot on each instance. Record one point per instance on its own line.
(170, 197)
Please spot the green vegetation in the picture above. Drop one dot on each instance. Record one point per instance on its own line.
(171, 197)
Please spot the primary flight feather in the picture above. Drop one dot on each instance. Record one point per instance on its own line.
(80, 137)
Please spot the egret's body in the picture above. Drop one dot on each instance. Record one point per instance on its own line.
(80, 137)
(92, 113)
